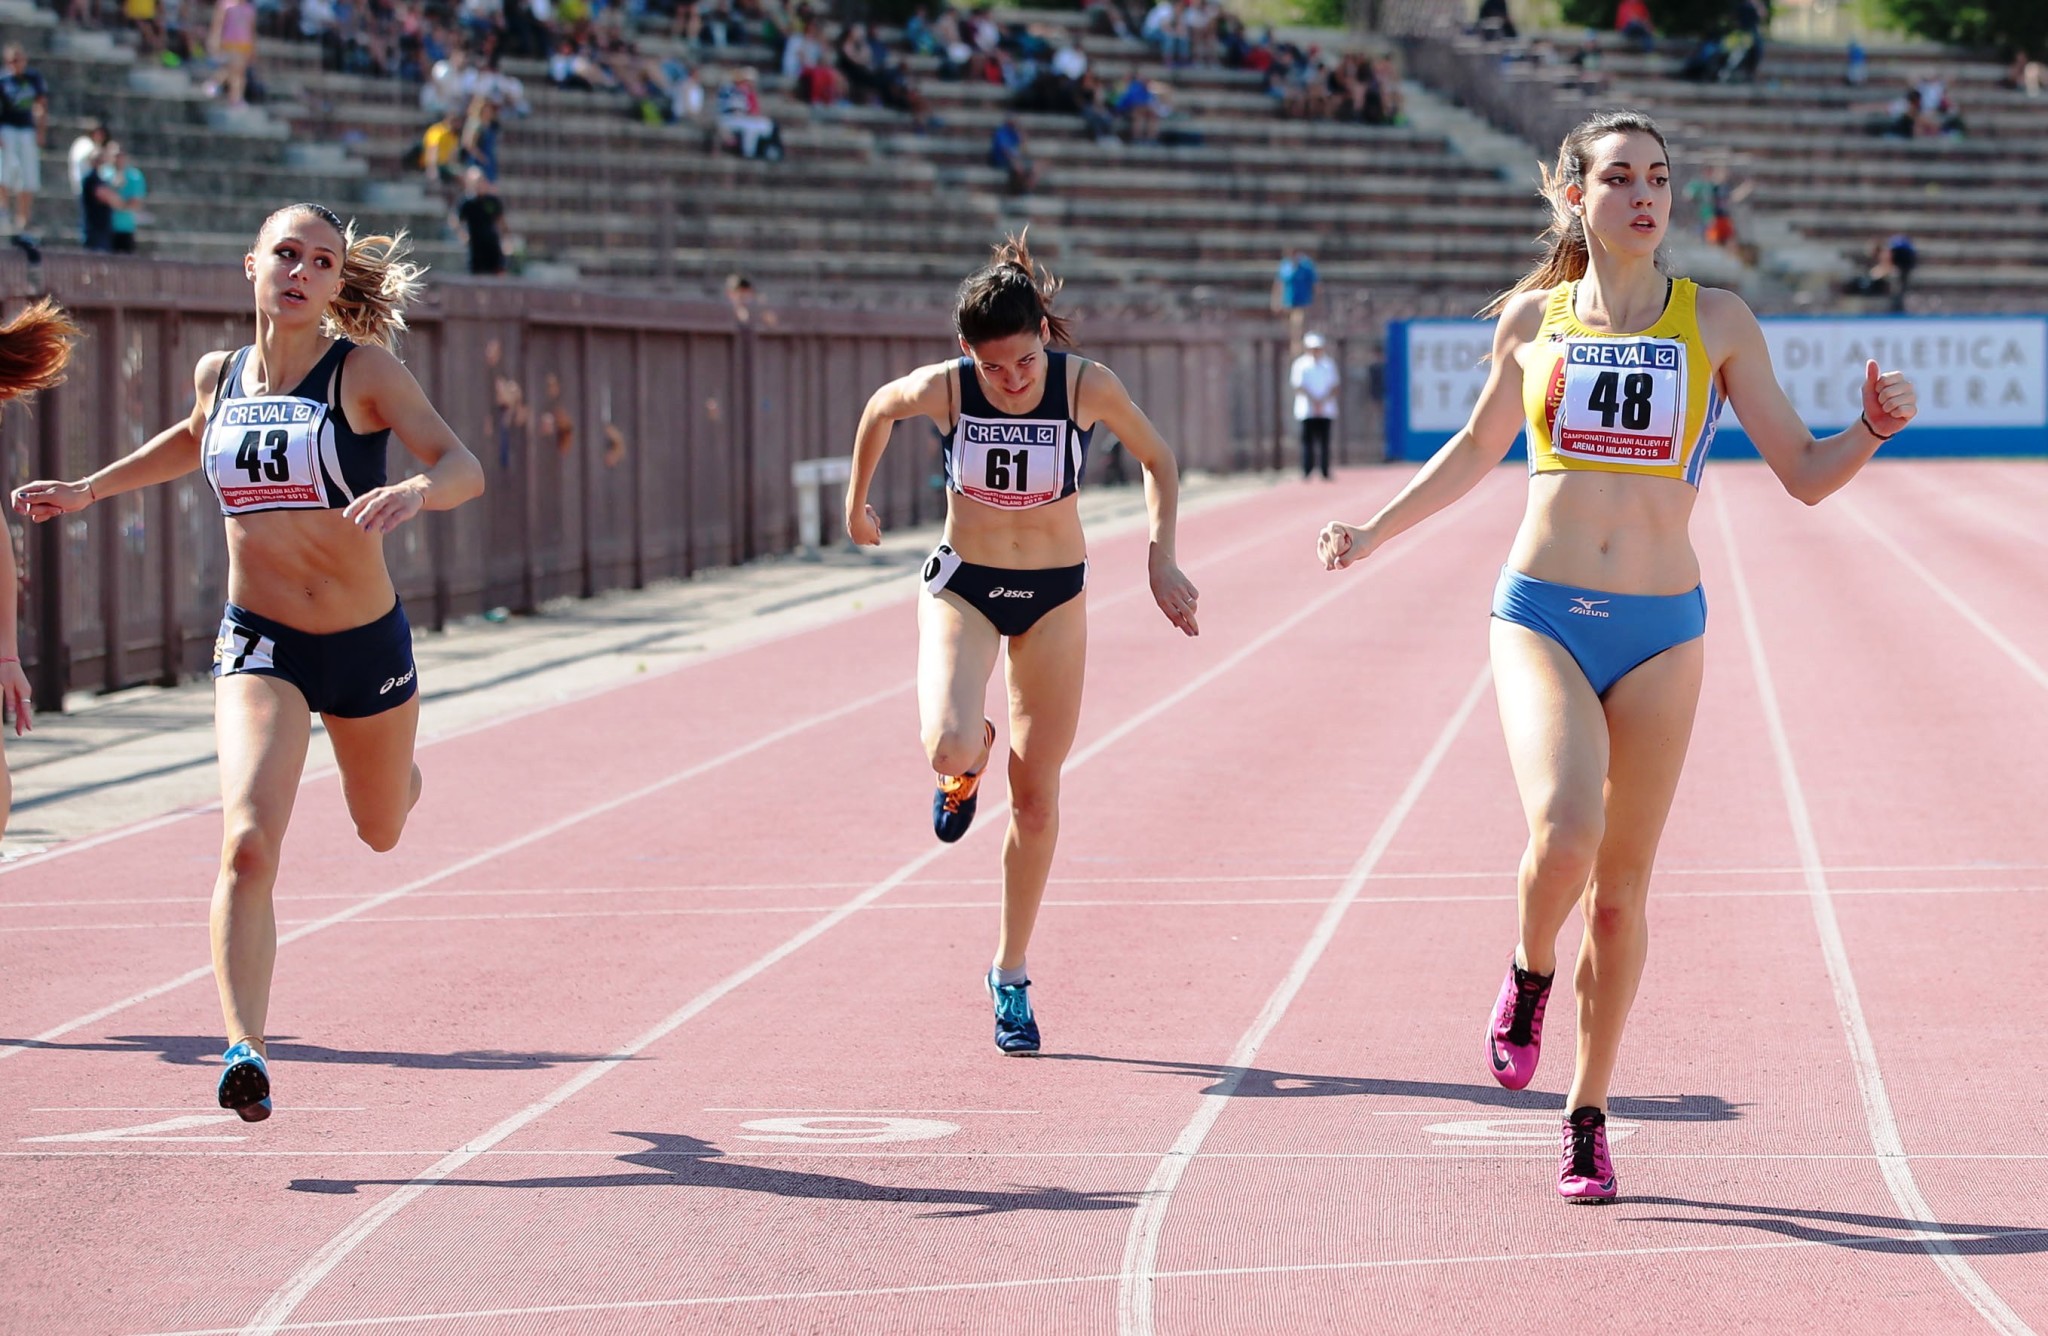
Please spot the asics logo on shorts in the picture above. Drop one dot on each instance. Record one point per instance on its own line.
(1589, 607)
(392, 682)
(1000, 592)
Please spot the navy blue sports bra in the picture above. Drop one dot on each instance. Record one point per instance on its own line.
(1016, 461)
(288, 451)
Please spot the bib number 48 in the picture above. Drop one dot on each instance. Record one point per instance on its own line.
(1006, 471)
(261, 455)
(1631, 404)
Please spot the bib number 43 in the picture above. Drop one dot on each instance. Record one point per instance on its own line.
(262, 455)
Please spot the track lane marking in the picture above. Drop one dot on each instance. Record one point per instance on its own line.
(1877, 1106)
(1135, 1281)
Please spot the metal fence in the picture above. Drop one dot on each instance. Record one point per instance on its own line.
(624, 438)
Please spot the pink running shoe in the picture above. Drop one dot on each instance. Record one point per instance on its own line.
(1585, 1172)
(1514, 1038)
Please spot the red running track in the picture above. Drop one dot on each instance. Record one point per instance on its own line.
(667, 1014)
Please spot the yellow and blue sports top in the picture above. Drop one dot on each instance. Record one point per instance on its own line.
(1643, 403)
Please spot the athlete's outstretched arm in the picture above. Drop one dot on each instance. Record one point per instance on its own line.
(1464, 459)
(395, 400)
(171, 453)
(1810, 469)
(922, 393)
(1109, 404)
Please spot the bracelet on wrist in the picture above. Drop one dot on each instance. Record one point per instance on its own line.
(1864, 418)
(90, 490)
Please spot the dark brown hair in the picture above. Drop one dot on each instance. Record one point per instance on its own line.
(1009, 297)
(35, 347)
(1566, 260)
(377, 281)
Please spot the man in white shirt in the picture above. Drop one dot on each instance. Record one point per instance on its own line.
(1315, 380)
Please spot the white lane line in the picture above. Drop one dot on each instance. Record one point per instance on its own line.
(499, 850)
(286, 1299)
(38, 857)
(2026, 662)
(1135, 1283)
(1044, 1282)
(1020, 1112)
(1877, 1105)
(1336, 875)
(1544, 1153)
(364, 906)
(897, 906)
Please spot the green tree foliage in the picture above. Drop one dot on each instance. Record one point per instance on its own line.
(2011, 25)
(1674, 18)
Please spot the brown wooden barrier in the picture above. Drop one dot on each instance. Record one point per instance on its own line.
(625, 439)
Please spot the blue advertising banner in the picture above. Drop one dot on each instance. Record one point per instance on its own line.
(1983, 380)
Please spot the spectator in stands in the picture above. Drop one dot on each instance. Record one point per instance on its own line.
(739, 294)
(441, 155)
(130, 189)
(484, 20)
(1716, 198)
(480, 221)
(2024, 75)
(1888, 270)
(1164, 31)
(449, 85)
(141, 15)
(232, 40)
(1006, 153)
(1140, 109)
(1858, 71)
(1314, 378)
(1632, 21)
(1294, 288)
(97, 199)
(1495, 23)
(1198, 20)
(24, 129)
(872, 74)
(740, 121)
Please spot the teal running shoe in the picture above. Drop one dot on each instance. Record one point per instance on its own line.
(245, 1083)
(1016, 1029)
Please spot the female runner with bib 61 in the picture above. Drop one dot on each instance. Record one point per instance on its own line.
(1619, 373)
(1017, 418)
(291, 432)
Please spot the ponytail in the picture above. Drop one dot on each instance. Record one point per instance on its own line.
(1567, 256)
(35, 348)
(377, 281)
(1009, 296)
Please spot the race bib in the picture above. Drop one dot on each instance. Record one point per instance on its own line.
(1013, 463)
(1619, 401)
(237, 649)
(263, 454)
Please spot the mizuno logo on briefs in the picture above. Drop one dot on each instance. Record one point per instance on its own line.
(396, 682)
(1000, 592)
(1589, 607)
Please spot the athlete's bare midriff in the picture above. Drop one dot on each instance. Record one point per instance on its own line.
(313, 570)
(1020, 540)
(1608, 531)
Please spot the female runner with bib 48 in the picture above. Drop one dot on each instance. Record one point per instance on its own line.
(291, 432)
(1619, 373)
(1017, 417)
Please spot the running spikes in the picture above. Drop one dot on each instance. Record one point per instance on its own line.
(954, 802)
(245, 1083)
(1016, 1028)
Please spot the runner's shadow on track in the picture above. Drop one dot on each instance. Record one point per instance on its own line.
(1848, 1229)
(1261, 1083)
(198, 1051)
(673, 1160)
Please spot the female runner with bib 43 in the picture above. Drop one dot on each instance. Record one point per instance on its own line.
(1619, 373)
(291, 432)
(1016, 418)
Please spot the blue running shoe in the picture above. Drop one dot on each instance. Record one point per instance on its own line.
(1016, 1030)
(245, 1083)
(954, 802)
